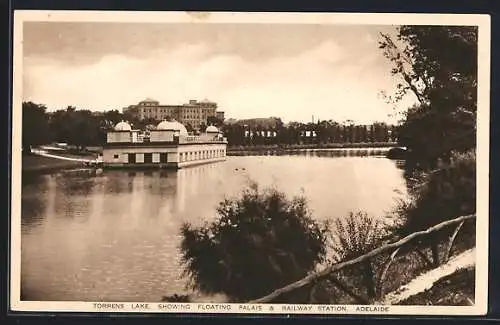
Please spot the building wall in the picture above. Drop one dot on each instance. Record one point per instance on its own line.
(124, 136)
(182, 155)
(114, 156)
(119, 136)
(201, 151)
(194, 113)
(157, 135)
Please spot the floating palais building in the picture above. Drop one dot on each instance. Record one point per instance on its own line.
(167, 146)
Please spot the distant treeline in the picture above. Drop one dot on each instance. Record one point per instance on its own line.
(82, 128)
(321, 132)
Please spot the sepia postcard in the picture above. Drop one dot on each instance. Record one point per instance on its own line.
(250, 163)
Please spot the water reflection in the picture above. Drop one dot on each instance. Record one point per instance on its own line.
(114, 235)
(33, 203)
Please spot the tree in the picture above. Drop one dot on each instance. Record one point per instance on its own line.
(114, 116)
(189, 127)
(213, 120)
(78, 127)
(35, 127)
(86, 128)
(438, 65)
(259, 242)
(203, 127)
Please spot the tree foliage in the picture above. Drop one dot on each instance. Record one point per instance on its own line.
(259, 242)
(76, 127)
(442, 194)
(213, 120)
(294, 133)
(35, 127)
(438, 65)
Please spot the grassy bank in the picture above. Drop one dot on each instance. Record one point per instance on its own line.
(408, 265)
(35, 163)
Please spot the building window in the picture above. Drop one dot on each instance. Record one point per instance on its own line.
(116, 156)
(148, 158)
(131, 158)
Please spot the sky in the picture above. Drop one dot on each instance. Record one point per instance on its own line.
(295, 72)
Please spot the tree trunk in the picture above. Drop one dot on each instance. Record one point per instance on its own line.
(435, 253)
(368, 278)
(385, 269)
(452, 240)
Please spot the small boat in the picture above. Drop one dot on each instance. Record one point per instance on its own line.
(97, 163)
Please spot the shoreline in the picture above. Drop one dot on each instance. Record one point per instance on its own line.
(285, 148)
(387, 150)
(32, 163)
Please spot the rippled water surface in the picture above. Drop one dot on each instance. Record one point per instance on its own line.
(114, 235)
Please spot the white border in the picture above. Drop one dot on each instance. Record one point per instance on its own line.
(482, 21)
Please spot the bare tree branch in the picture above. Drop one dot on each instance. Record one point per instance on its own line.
(336, 267)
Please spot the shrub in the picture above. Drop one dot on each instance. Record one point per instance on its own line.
(354, 236)
(443, 194)
(176, 298)
(259, 242)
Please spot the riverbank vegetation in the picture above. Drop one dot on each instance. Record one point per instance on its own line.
(439, 134)
(439, 195)
(259, 241)
(263, 241)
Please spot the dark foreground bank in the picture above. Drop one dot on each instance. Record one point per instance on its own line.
(456, 289)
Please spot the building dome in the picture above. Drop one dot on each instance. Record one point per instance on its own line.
(149, 100)
(123, 126)
(212, 129)
(172, 126)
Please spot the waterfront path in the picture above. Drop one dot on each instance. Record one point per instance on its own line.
(44, 153)
(427, 280)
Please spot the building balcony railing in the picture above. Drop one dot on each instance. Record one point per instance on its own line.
(176, 140)
(200, 139)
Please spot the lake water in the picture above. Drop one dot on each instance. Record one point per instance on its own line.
(114, 235)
